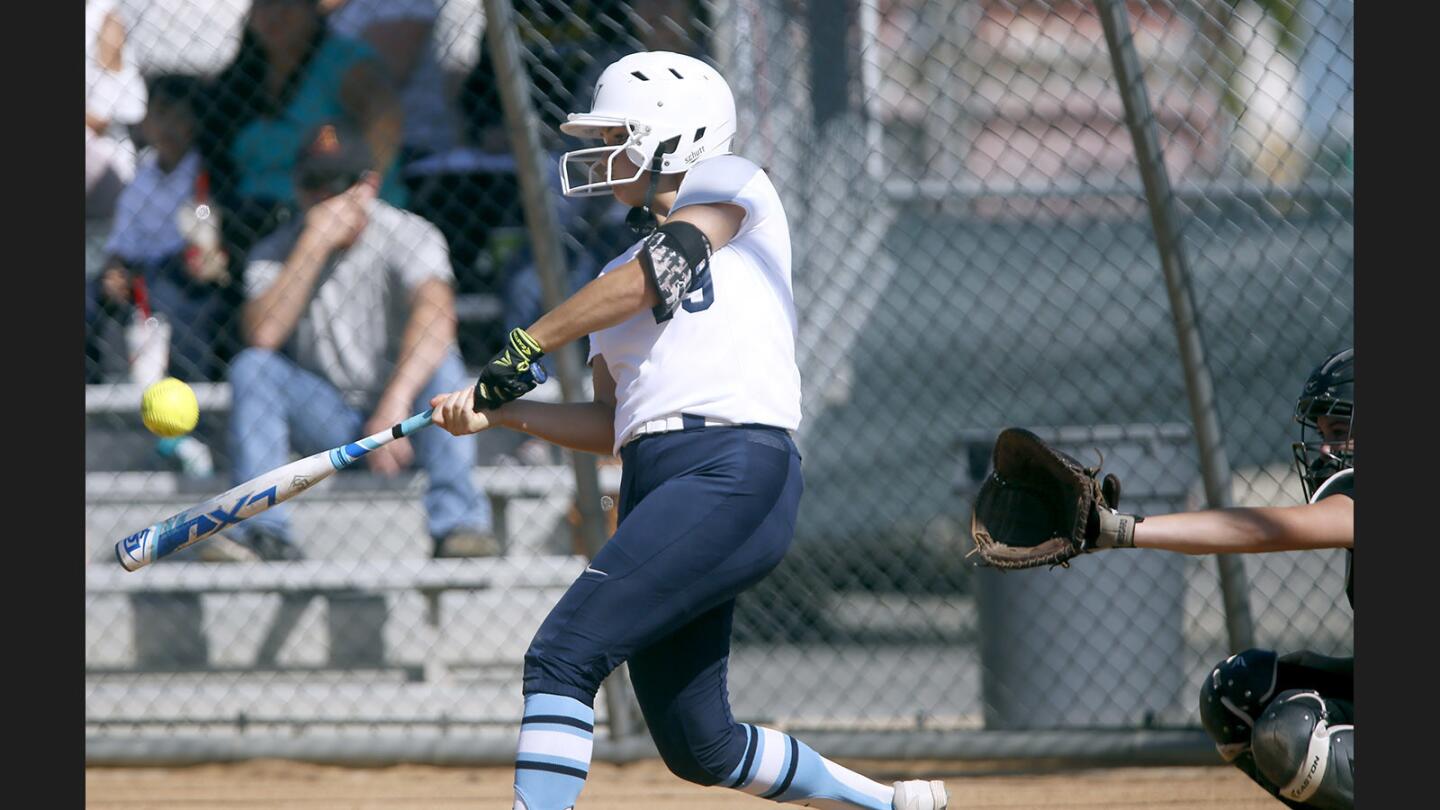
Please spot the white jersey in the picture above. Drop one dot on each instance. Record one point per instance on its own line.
(728, 352)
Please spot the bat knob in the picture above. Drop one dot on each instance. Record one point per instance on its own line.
(137, 550)
(537, 373)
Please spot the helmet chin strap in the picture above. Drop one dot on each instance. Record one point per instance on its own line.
(642, 220)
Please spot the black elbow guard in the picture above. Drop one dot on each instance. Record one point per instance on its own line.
(673, 256)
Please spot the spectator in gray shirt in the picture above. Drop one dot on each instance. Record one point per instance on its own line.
(350, 325)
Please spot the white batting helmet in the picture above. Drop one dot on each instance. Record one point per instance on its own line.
(668, 102)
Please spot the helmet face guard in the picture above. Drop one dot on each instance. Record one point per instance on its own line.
(591, 172)
(1329, 392)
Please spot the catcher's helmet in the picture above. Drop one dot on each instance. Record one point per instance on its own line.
(1329, 391)
(677, 110)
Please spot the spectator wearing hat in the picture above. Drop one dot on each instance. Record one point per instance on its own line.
(290, 74)
(349, 322)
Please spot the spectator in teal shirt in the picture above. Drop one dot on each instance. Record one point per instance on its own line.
(289, 75)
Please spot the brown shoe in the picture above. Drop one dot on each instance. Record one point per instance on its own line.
(467, 543)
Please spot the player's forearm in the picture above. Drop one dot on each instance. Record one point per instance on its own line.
(429, 334)
(1242, 531)
(585, 426)
(608, 300)
(271, 317)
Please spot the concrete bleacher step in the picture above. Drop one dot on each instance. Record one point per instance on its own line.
(485, 611)
(508, 481)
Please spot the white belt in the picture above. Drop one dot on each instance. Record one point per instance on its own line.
(669, 424)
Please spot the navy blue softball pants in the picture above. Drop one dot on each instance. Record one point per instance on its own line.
(704, 514)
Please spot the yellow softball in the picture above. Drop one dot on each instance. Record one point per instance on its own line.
(168, 408)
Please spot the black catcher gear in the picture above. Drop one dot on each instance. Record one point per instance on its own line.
(1304, 744)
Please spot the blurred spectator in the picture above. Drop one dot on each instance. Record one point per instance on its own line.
(441, 184)
(108, 313)
(114, 99)
(402, 33)
(289, 75)
(350, 322)
(145, 241)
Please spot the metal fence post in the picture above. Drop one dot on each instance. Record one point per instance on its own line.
(1214, 464)
(522, 127)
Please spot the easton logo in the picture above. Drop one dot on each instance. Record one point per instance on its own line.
(1300, 789)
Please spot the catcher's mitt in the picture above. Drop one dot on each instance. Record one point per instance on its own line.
(1039, 506)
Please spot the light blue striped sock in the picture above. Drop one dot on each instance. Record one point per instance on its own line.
(779, 767)
(553, 757)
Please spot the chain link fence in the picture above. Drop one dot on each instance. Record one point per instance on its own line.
(964, 191)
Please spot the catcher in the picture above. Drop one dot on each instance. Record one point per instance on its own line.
(1285, 720)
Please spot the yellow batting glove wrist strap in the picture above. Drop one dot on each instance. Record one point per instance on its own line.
(526, 347)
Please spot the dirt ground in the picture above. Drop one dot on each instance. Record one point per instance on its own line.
(278, 784)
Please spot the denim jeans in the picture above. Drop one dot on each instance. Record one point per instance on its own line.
(277, 406)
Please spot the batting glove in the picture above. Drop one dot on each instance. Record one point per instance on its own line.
(510, 374)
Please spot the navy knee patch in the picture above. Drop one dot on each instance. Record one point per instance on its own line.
(699, 752)
(1234, 695)
(682, 762)
(1304, 744)
(699, 761)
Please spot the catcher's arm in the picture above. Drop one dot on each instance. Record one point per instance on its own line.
(1039, 506)
(1328, 523)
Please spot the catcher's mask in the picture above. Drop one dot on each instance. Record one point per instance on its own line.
(1329, 392)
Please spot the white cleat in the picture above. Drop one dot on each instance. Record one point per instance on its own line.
(917, 794)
